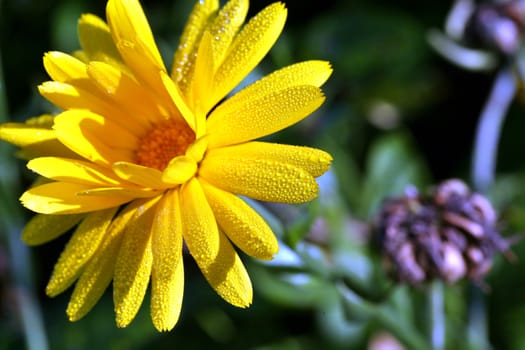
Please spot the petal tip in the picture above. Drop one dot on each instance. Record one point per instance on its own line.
(51, 290)
(163, 326)
(72, 312)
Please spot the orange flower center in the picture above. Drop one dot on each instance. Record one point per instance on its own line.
(166, 141)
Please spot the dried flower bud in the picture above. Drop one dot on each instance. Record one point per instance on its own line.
(449, 234)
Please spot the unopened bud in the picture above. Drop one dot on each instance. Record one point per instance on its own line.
(449, 234)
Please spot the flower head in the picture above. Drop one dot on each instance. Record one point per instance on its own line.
(142, 160)
(450, 234)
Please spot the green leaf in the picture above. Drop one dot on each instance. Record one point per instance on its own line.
(293, 289)
(334, 322)
(392, 165)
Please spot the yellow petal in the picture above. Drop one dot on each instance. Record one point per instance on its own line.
(51, 148)
(140, 175)
(214, 255)
(80, 55)
(64, 68)
(124, 90)
(228, 277)
(34, 141)
(96, 41)
(197, 150)
(225, 27)
(202, 83)
(44, 228)
(167, 274)
(262, 179)
(35, 137)
(127, 22)
(153, 78)
(184, 57)
(23, 135)
(305, 73)
(179, 170)
(243, 226)
(249, 47)
(262, 116)
(313, 160)
(178, 101)
(86, 134)
(119, 192)
(44, 121)
(80, 248)
(72, 170)
(133, 265)
(62, 198)
(99, 270)
(200, 230)
(67, 96)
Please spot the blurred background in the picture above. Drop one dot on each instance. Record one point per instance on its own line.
(398, 112)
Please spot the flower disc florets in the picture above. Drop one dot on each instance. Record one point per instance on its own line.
(163, 143)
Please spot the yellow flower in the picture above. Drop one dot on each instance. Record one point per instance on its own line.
(144, 161)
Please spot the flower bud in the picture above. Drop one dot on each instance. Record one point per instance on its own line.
(448, 234)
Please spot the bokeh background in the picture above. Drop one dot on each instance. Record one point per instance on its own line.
(397, 113)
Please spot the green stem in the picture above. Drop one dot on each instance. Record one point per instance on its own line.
(409, 337)
(387, 316)
(436, 322)
(485, 152)
(477, 334)
(489, 129)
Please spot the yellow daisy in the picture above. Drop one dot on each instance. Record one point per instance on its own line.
(142, 160)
